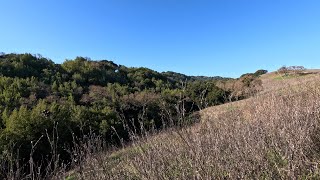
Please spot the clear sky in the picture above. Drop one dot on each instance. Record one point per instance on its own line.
(195, 37)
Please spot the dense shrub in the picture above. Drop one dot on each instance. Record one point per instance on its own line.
(43, 102)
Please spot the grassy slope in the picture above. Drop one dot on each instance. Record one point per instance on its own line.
(270, 136)
(272, 83)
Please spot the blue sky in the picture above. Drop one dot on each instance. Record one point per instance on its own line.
(195, 37)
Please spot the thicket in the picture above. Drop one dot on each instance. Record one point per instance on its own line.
(296, 70)
(47, 108)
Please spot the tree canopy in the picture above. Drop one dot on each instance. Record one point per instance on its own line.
(39, 97)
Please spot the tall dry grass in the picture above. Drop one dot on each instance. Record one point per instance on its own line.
(271, 136)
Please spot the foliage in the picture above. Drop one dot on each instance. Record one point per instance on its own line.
(39, 98)
(291, 70)
(260, 72)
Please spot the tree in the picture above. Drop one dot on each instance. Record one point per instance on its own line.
(283, 70)
(260, 72)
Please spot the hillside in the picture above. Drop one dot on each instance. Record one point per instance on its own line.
(273, 135)
(271, 83)
(47, 110)
(95, 119)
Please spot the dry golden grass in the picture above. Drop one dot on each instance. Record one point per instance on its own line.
(274, 135)
(275, 81)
